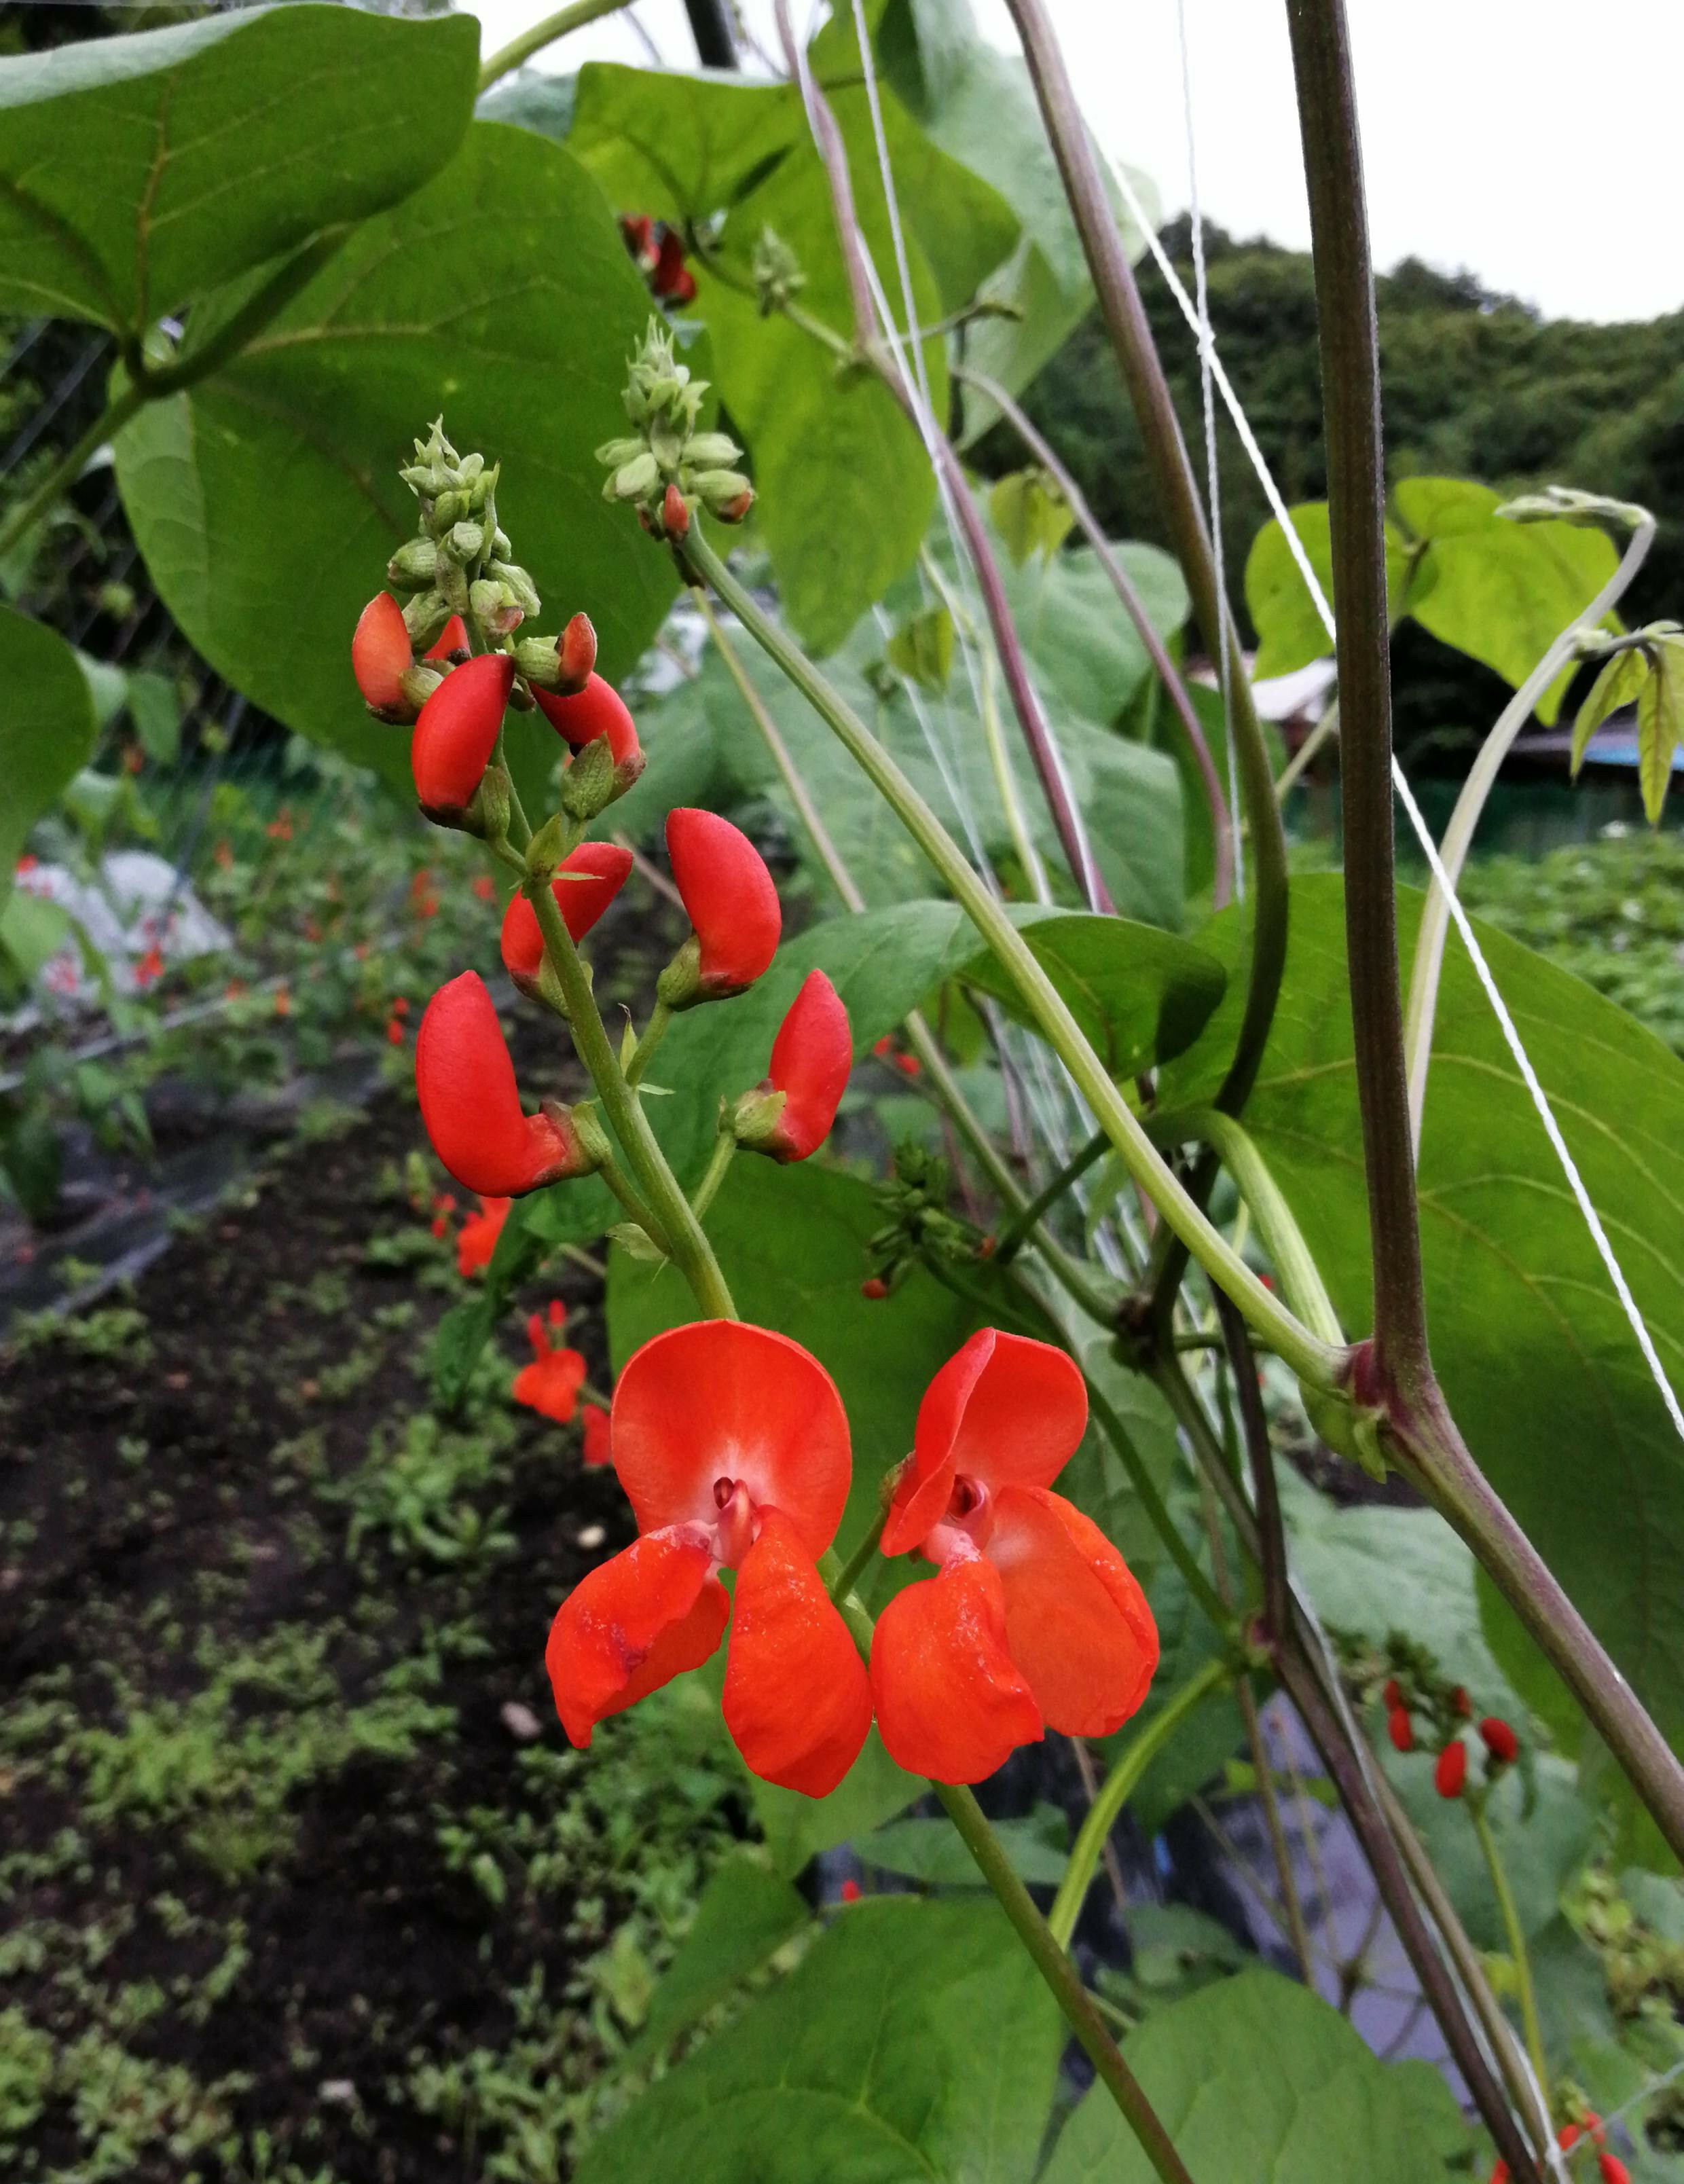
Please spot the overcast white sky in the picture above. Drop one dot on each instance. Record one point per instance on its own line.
(1500, 135)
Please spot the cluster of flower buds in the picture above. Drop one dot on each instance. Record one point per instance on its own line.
(919, 1228)
(658, 253)
(1588, 2130)
(733, 1446)
(461, 562)
(1444, 1709)
(666, 467)
(776, 271)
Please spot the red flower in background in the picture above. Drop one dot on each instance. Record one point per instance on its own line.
(470, 1107)
(1452, 1770)
(597, 872)
(478, 1240)
(594, 1420)
(1035, 1620)
(149, 968)
(732, 1444)
(551, 1383)
(728, 896)
(1499, 1739)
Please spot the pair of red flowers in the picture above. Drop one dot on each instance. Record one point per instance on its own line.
(733, 1446)
(469, 1100)
(1610, 2169)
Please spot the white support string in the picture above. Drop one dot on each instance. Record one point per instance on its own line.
(1529, 1077)
(1207, 401)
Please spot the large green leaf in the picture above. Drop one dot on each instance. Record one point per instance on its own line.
(1291, 632)
(46, 728)
(266, 500)
(845, 489)
(1536, 1357)
(1259, 2079)
(1140, 996)
(746, 1916)
(1068, 616)
(882, 963)
(914, 2041)
(139, 172)
(1502, 592)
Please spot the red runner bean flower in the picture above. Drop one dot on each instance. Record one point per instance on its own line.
(732, 1444)
(478, 1240)
(380, 655)
(457, 732)
(729, 897)
(1567, 2138)
(551, 1383)
(453, 637)
(1401, 1729)
(1498, 1738)
(1035, 1620)
(594, 1420)
(790, 1114)
(1452, 1770)
(1392, 1693)
(597, 710)
(469, 1105)
(598, 872)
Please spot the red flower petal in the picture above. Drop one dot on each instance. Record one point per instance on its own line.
(582, 901)
(550, 1385)
(380, 652)
(457, 731)
(1004, 1411)
(951, 1702)
(812, 1057)
(797, 1698)
(453, 637)
(1498, 1738)
(633, 1624)
(479, 1234)
(1077, 1623)
(720, 1399)
(1452, 1769)
(729, 897)
(597, 710)
(595, 1419)
(469, 1104)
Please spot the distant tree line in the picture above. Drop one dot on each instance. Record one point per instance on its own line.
(1475, 384)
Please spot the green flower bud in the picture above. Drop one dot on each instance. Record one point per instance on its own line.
(632, 480)
(467, 541)
(711, 451)
(540, 661)
(425, 617)
(518, 583)
(553, 844)
(494, 606)
(588, 785)
(721, 489)
(471, 467)
(446, 509)
(612, 454)
(412, 567)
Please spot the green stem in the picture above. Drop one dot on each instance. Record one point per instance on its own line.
(850, 1572)
(656, 1030)
(724, 1147)
(1056, 1969)
(1299, 1276)
(688, 1247)
(1315, 1361)
(541, 34)
(1157, 1510)
(621, 1186)
(1517, 1942)
(1021, 1222)
(1119, 1786)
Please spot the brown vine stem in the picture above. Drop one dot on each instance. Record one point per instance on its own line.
(1134, 606)
(867, 348)
(1177, 497)
(1396, 1377)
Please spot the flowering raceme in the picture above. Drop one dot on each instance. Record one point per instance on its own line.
(469, 1105)
(1035, 1620)
(732, 1444)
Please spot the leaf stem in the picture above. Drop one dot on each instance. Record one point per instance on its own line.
(1314, 1360)
(1060, 1973)
(1146, 1488)
(542, 33)
(852, 1570)
(1021, 1222)
(1120, 1785)
(1517, 1940)
(724, 1150)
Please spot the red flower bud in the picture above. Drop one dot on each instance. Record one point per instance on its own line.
(597, 710)
(576, 650)
(1392, 1693)
(458, 730)
(850, 1892)
(379, 654)
(1398, 1726)
(669, 278)
(810, 1058)
(1452, 1770)
(1498, 1738)
(675, 516)
(1612, 2170)
(1461, 1702)
(453, 637)
(875, 1288)
(469, 1104)
(582, 902)
(729, 897)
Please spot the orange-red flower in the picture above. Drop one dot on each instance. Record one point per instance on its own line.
(790, 1115)
(150, 968)
(595, 1419)
(1452, 1769)
(595, 873)
(1609, 2168)
(457, 731)
(729, 897)
(580, 716)
(477, 1238)
(1499, 1739)
(453, 637)
(551, 1383)
(1035, 1620)
(732, 1444)
(470, 1104)
(379, 654)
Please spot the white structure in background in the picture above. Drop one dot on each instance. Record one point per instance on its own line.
(140, 904)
